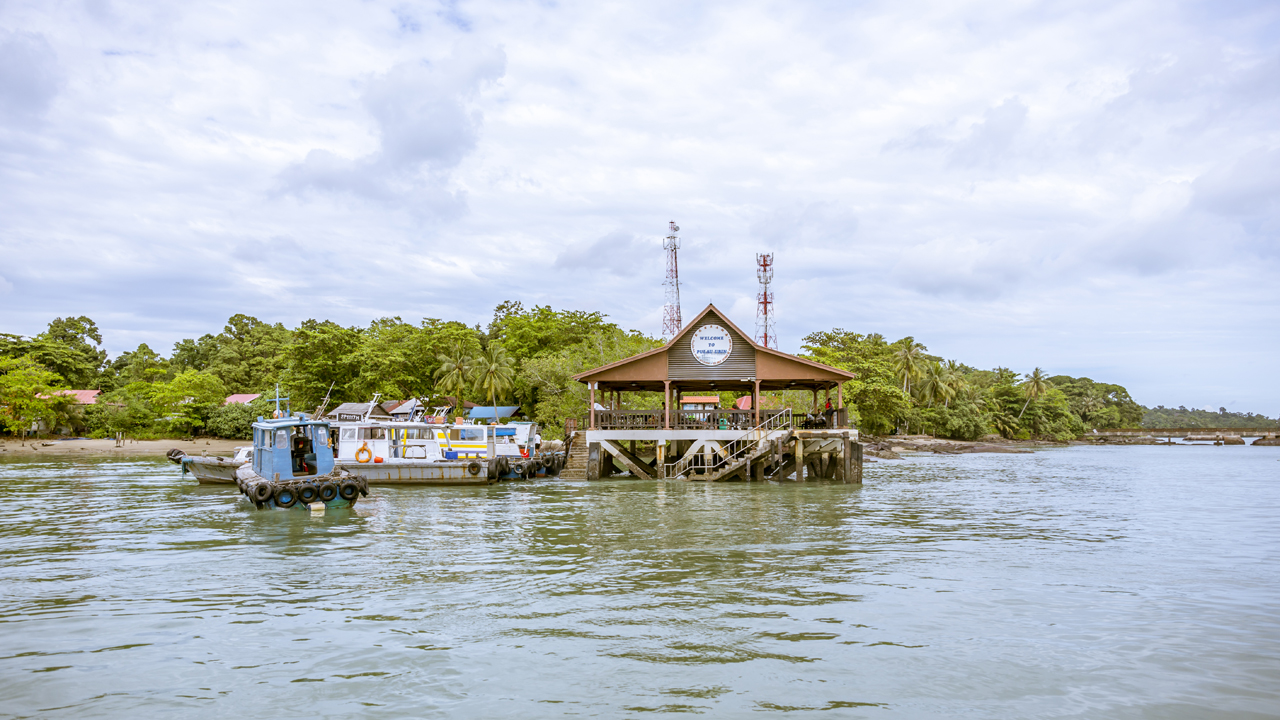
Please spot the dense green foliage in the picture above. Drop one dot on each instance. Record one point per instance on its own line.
(528, 356)
(1163, 417)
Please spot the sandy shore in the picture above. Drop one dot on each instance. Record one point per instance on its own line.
(64, 449)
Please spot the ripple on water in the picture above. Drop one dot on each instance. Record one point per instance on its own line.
(1087, 582)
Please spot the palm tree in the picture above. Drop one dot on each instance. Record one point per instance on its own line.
(931, 384)
(907, 361)
(949, 381)
(455, 371)
(1034, 386)
(494, 374)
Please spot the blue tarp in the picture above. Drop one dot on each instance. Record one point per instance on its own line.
(483, 413)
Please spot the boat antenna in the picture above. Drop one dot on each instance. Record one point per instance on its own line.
(324, 403)
(372, 402)
(277, 400)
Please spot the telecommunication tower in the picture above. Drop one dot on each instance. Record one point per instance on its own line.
(671, 320)
(765, 333)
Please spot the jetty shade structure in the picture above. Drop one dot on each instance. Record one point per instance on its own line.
(712, 355)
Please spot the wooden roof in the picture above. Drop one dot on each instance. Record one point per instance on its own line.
(774, 369)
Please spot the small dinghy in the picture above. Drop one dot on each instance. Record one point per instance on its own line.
(292, 466)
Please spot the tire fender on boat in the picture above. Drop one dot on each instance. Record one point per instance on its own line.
(473, 467)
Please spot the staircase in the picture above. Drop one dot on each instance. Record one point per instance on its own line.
(575, 468)
(735, 455)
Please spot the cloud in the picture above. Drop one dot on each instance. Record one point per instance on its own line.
(1246, 186)
(990, 140)
(30, 77)
(1078, 189)
(426, 124)
(617, 253)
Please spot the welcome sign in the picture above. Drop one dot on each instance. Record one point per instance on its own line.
(711, 344)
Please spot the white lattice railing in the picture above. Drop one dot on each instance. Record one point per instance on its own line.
(732, 451)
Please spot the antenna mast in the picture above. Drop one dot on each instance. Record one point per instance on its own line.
(671, 320)
(766, 335)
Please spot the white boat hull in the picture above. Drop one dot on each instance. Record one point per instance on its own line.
(212, 470)
(418, 472)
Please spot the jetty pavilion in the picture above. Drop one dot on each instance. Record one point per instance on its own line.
(744, 442)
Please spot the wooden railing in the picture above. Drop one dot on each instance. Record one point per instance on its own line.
(628, 419)
(680, 419)
(714, 419)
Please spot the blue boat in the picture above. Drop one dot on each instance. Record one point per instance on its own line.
(293, 466)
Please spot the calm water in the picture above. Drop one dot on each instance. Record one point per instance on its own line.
(1088, 582)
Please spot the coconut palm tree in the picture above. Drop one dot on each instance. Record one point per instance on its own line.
(908, 361)
(494, 374)
(455, 371)
(1034, 386)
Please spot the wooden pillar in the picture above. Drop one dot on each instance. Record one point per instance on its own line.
(815, 400)
(846, 457)
(660, 448)
(840, 413)
(666, 404)
(800, 452)
(755, 401)
(591, 405)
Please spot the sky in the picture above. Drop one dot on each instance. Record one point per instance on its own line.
(1092, 188)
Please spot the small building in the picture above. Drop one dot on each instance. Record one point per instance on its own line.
(694, 438)
(79, 397)
(700, 402)
(241, 398)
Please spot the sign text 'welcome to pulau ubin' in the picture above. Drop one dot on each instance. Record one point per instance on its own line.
(711, 344)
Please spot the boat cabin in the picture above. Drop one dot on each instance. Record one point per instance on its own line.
(291, 446)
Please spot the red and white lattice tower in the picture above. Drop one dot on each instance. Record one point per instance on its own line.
(765, 333)
(671, 321)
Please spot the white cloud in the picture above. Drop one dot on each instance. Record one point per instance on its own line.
(1090, 187)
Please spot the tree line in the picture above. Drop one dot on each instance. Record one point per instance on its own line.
(525, 357)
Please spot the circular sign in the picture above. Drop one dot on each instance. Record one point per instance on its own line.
(711, 344)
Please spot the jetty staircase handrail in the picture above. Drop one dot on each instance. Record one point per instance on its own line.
(734, 450)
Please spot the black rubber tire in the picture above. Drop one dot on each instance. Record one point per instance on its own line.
(261, 493)
(348, 491)
(175, 455)
(286, 497)
(308, 492)
(504, 465)
(328, 491)
(517, 467)
(493, 468)
(364, 487)
(473, 467)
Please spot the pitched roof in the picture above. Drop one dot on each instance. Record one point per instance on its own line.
(581, 377)
(243, 398)
(704, 399)
(357, 409)
(83, 397)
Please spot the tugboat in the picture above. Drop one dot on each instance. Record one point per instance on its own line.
(292, 466)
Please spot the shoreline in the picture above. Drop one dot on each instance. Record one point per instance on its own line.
(106, 448)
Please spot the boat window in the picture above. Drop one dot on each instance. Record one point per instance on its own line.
(373, 433)
(349, 433)
(282, 439)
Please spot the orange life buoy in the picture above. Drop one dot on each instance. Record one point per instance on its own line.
(368, 454)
